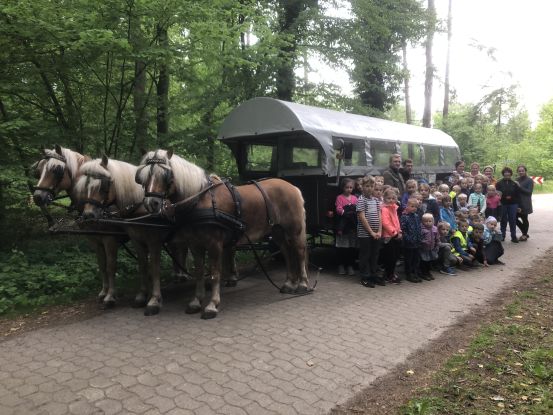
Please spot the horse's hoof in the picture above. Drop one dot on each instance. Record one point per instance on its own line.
(209, 314)
(139, 303)
(286, 290)
(193, 309)
(100, 298)
(231, 283)
(151, 310)
(106, 305)
(301, 290)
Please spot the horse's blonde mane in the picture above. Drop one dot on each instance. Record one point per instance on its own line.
(189, 179)
(121, 174)
(72, 161)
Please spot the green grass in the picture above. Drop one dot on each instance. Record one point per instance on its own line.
(546, 187)
(507, 369)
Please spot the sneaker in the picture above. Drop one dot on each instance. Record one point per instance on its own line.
(367, 283)
(379, 281)
(448, 271)
(393, 279)
(341, 270)
(351, 271)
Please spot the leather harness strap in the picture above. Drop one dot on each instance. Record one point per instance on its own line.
(271, 217)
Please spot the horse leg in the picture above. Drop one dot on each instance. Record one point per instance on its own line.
(230, 274)
(216, 261)
(179, 253)
(101, 258)
(279, 237)
(111, 246)
(300, 255)
(154, 305)
(195, 306)
(141, 297)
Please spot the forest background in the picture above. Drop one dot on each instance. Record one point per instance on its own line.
(113, 77)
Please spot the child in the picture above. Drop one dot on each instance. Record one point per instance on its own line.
(477, 241)
(447, 214)
(438, 196)
(346, 237)
(369, 232)
(391, 236)
(443, 189)
(412, 237)
(462, 201)
(477, 199)
(429, 205)
(493, 202)
(358, 188)
(410, 190)
(379, 180)
(455, 190)
(465, 187)
(429, 246)
(492, 241)
(446, 257)
(377, 191)
(462, 245)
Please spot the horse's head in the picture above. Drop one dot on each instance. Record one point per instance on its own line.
(94, 191)
(52, 174)
(155, 174)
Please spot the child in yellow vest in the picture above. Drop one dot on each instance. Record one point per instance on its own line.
(462, 247)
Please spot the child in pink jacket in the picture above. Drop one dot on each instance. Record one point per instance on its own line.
(391, 236)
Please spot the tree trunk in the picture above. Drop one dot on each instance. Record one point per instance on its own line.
(427, 115)
(163, 92)
(408, 113)
(445, 111)
(139, 108)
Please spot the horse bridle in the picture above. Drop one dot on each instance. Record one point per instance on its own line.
(58, 172)
(168, 176)
(105, 185)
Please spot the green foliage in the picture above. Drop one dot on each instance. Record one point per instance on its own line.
(36, 278)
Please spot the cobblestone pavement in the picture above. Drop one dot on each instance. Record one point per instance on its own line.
(264, 353)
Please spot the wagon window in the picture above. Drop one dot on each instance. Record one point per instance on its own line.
(260, 157)
(432, 155)
(417, 155)
(381, 152)
(451, 156)
(358, 157)
(305, 157)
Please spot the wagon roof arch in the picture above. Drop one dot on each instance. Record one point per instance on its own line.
(260, 116)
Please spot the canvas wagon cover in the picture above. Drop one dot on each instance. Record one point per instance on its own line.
(260, 116)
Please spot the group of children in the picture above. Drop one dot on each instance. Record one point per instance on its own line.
(443, 227)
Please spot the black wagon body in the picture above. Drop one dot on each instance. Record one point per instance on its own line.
(300, 144)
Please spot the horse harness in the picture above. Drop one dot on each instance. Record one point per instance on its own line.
(58, 172)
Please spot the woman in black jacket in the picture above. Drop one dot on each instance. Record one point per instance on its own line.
(510, 198)
(526, 187)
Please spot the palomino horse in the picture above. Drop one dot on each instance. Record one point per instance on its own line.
(58, 171)
(213, 217)
(108, 186)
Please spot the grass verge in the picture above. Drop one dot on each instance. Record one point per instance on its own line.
(508, 367)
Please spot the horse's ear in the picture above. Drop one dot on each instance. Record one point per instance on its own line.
(170, 153)
(143, 151)
(42, 149)
(58, 149)
(104, 162)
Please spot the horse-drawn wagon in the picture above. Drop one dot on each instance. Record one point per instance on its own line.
(300, 143)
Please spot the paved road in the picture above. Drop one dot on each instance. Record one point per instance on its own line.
(264, 353)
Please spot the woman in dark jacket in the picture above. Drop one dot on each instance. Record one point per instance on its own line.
(510, 198)
(526, 187)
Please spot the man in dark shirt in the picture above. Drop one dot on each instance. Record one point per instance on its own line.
(407, 169)
(392, 175)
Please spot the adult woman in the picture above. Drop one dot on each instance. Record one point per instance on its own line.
(488, 172)
(458, 173)
(474, 169)
(526, 187)
(510, 197)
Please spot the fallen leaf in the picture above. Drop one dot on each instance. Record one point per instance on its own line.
(410, 372)
(523, 385)
(461, 351)
(501, 405)
(480, 366)
(497, 398)
(537, 399)
(524, 397)
(494, 379)
(310, 363)
(519, 317)
(518, 364)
